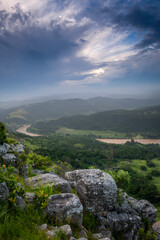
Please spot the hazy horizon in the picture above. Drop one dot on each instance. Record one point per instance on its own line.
(86, 47)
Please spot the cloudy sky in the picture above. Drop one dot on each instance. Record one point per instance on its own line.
(62, 46)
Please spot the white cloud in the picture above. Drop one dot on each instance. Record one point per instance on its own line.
(105, 45)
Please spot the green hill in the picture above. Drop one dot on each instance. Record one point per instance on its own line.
(54, 109)
(146, 121)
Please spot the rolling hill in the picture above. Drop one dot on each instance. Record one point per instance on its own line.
(146, 121)
(54, 109)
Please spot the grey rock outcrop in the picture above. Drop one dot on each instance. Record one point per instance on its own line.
(123, 222)
(4, 192)
(65, 207)
(97, 190)
(4, 148)
(48, 179)
(17, 148)
(144, 208)
(9, 159)
(126, 216)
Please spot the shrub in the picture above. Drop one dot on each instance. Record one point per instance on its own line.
(122, 178)
(7, 176)
(89, 221)
(61, 167)
(3, 135)
(155, 173)
(143, 168)
(142, 235)
(38, 161)
(151, 164)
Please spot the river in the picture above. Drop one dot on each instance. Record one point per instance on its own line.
(23, 130)
(123, 141)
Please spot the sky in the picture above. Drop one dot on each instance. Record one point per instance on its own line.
(60, 46)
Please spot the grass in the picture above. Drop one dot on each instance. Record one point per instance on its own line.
(16, 224)
(100, 134)
(20, 113)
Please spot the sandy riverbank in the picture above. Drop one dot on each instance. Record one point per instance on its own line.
(123, 141)
(23, 130)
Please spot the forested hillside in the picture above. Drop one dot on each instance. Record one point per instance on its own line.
(55, 109)
(144, 121)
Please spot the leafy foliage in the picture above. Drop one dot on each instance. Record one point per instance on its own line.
(38, 161)
(122, 178)
(3, 135)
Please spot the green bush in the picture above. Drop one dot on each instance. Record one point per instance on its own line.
(3, 135)
(38, 161)
(122, 178)
(142, 235)
(143, 168)
(7, 176)
(89, 221)
(155, 173)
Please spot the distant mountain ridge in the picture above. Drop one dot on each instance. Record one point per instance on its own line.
(54, 109)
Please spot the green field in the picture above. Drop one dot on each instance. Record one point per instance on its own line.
(100, 134)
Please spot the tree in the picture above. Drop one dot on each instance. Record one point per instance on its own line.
(3, 135)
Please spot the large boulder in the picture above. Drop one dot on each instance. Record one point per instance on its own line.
(9, 159)
(48, 179)
(97, 190)
(4, 148)
(145, 208)
(65, 207)
(4, 192)
(128, 224)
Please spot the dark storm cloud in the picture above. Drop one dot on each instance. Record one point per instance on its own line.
(143, 17)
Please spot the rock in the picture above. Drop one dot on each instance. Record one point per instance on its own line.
(102, 235)
(52, 233)
(37, 171)
(20, 203)
(104, 232)
(65, 207)
(4, 148)
(82, 233)
(72, 238)
(66, 229)
(42, 227)
(156, 229)
(97, 190)
(29, 197)
(4, 192)
(24, 171)
(106, 238)
(97, 235)
(17, 148)
(19, 185)
(123, 222)
(9, 159)
(145, 208)
(82, 238)
(48, 179)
